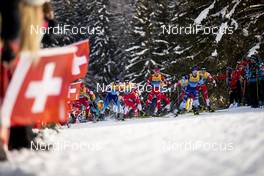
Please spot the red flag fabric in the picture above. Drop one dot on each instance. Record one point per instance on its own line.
(74, 91)
(81, 59)
(38, 90)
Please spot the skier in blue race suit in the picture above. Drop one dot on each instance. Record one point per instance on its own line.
(113, 95)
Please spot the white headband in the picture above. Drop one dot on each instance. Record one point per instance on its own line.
(36, 2)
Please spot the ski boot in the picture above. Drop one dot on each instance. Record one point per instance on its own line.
(177, 112)
(159, 113)
(120, 117)
(195, 111)
(156, 113)
(146, 111)
(136, 114)
(167, 109)
(101, 117)
(180, 111)
(142, 114)
(210, 109)
(95, 118)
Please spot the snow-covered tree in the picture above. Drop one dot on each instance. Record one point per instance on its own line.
(163, 42)
(101, 66)
(141, 45)
(120, 28)
(151, 46)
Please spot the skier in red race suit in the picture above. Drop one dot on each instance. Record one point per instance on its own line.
(86, 96)
(131, 98)
(163, 94)
(206, 76)
(156, 81)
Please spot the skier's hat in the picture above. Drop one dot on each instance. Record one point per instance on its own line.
(156, 69)
(184, 75)
(229, 68)
(194, 68)
(117, 80)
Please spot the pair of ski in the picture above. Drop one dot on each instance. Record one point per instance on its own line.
(196, 112)
(117, 116)
(180, 112)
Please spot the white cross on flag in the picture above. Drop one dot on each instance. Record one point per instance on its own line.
(81, 59)
(38, 90)
(74, 91)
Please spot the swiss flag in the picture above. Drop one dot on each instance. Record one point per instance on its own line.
(81, 59)
(38, 90)
(74, 91)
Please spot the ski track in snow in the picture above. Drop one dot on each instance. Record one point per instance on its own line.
(153, 146)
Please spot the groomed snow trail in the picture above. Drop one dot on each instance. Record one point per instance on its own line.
(227, 142)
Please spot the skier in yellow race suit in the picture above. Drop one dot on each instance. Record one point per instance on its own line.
(192, 91)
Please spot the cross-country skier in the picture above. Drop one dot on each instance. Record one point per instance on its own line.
(192, 90)
(96, 108)
(86, 97)
(113, 95)
(183, 85)
(81, 109)
(206, 76)
(131, 98)
(155, 81)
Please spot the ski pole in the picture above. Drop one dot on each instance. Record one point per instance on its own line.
(244, 90)
(177, 101)
(178, 98)
(257, 86)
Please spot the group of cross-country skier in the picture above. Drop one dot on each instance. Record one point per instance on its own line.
(126, 99)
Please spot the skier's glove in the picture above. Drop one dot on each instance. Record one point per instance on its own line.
(175, 87)
(214, 82)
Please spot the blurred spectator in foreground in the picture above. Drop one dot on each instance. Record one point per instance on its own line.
(10, 25)
(17, 18)
(49, 23)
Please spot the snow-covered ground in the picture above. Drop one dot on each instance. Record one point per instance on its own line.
(228, 142)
